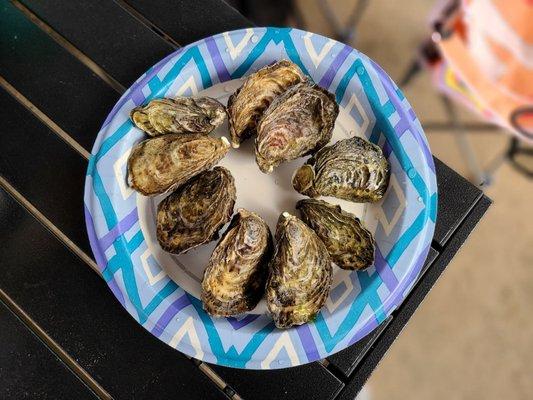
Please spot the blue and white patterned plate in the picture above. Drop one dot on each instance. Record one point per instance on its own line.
(161, 291)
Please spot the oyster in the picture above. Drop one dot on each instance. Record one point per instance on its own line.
(246, 105)
(179, 115)
(300, 274)
(351, 169)
(194, 213)
(163, 163)
(298, 122)
(349, 244)
(234, 280)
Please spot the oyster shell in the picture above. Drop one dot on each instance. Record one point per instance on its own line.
(351, 169)
(179, 115)
(246, 105)
(349, 244)
(298, 122)
(300, 274)
(194, 213)
(163, 163)
(234, 280)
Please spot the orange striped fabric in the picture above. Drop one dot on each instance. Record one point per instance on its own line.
(488, 61)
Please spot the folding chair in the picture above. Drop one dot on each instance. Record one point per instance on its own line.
(465, 34)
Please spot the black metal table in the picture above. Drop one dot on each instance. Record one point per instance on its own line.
(63, 65)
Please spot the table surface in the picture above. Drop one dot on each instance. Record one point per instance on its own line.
(63, 65)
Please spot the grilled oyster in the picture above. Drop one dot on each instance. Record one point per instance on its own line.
(179, 115)
(300, 274)
(298, 122)
(351, 169)
(246, 105)
(349, 244)
(194, 213)
(163, 163)
(234, 280)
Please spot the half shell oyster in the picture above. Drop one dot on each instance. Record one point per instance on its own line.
(179, 115)
(234, 280)
(246, 105)
(349, 244)
(300, 274)
(194, 213)
(351, 169)
(163, 163)
(298, 122)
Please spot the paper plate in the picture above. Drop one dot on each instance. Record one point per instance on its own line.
(161, 290)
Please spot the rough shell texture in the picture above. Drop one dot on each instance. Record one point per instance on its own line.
(179, 115)
(161, 164)
(298, 122)
(351, 169)
(234, 280)
(349, 244)
(194, 213)
(300, 274)
(247, 104)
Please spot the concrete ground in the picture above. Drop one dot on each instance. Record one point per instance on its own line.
(472, 338)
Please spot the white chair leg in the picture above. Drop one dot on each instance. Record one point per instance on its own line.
(466, 149)
(478, 177)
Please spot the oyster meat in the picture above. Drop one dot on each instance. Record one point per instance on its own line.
(298, 122)
(196, 211)
(163, 163)
(234, 280)
(246, 105)
(179, 115)
(351, 169)
(300, 274)
(349, 244)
